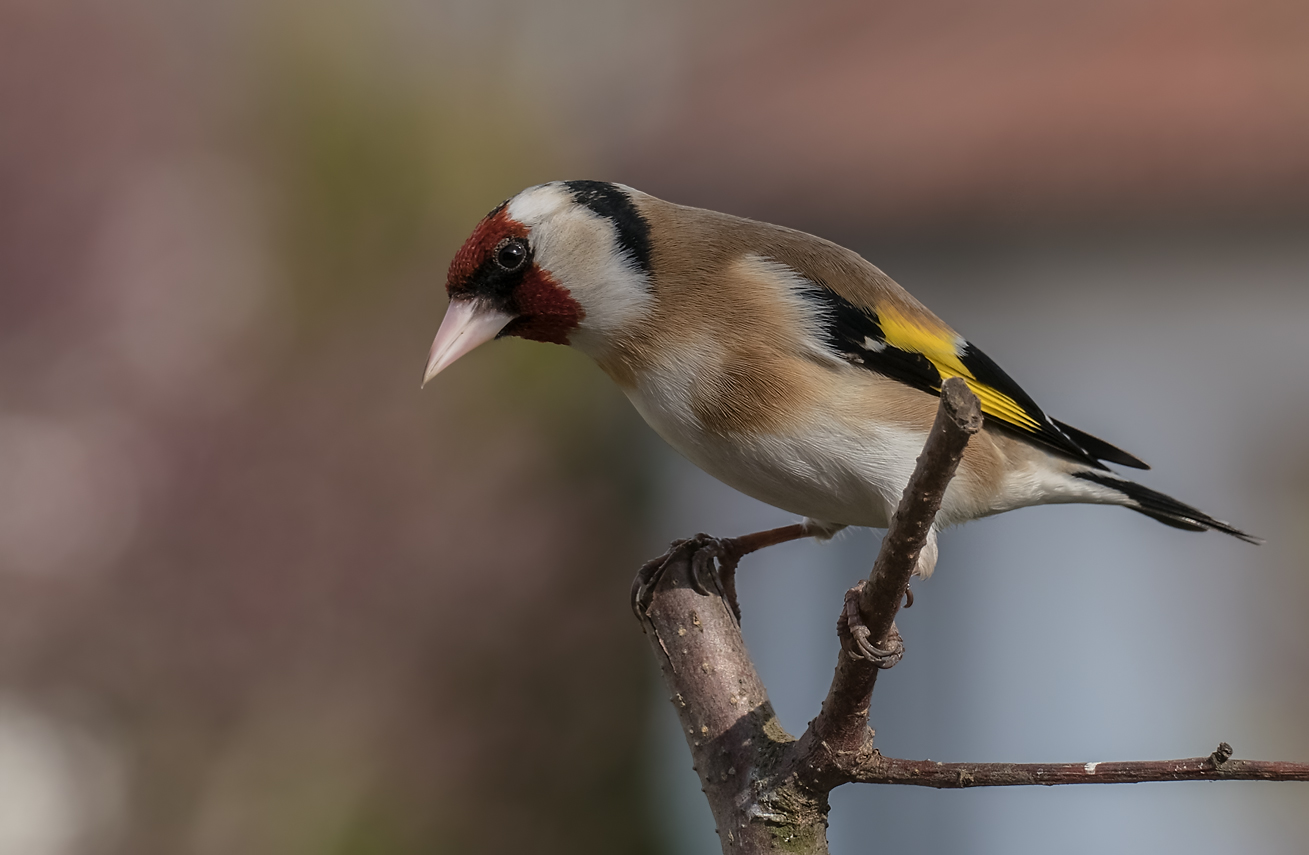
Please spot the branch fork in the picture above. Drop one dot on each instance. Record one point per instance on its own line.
(767, 789)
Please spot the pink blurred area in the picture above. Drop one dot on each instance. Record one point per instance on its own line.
(908, 116)
(257, 593)
(260, 595)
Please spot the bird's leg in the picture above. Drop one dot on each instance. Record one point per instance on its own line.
(747, 543)
(736, 548)
(727, 552)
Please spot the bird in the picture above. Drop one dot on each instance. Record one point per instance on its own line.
(781, 363)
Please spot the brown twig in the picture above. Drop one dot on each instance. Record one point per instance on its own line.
(840, 735)
(958, 418)
(1216, 767)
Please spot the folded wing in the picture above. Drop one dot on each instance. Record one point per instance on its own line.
(923, 353)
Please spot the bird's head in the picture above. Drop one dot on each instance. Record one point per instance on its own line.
(566, 263)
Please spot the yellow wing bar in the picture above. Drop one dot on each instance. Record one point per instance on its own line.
(942, 348)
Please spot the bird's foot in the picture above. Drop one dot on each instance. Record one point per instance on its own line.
(856, 636)
(713, 564)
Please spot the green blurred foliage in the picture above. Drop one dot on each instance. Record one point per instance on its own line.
(380, 171)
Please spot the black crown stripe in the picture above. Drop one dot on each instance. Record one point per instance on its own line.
(609, 201)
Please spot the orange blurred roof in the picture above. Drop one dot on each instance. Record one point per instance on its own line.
(1020, 111)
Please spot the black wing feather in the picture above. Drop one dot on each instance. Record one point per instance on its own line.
(856, 335)
(1097, 447)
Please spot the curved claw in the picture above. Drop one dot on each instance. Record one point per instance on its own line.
(648, 577)
(858, 634)
(703, 548)
(882, 658)
(705, 576)
(702, 563)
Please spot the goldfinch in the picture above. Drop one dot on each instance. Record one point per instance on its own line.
(782, 364)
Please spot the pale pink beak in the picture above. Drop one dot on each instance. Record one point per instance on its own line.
(467, 324)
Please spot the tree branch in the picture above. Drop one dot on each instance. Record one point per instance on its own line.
(839, 736)
(727, 719)
(767, 790)
(1216, 767)
(958, 418)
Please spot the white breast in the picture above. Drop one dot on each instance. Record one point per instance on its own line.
(828, 471)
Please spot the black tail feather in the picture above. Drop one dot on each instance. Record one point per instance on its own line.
(1099, 449)
(1165, 509)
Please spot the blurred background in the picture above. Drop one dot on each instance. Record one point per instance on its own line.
(260, 595)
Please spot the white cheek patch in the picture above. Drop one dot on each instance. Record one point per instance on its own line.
(580, 250)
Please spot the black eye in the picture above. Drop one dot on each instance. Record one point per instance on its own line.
(511, 254)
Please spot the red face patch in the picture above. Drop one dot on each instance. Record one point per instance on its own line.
(543, 310)
(549, 313)
(478, 248)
